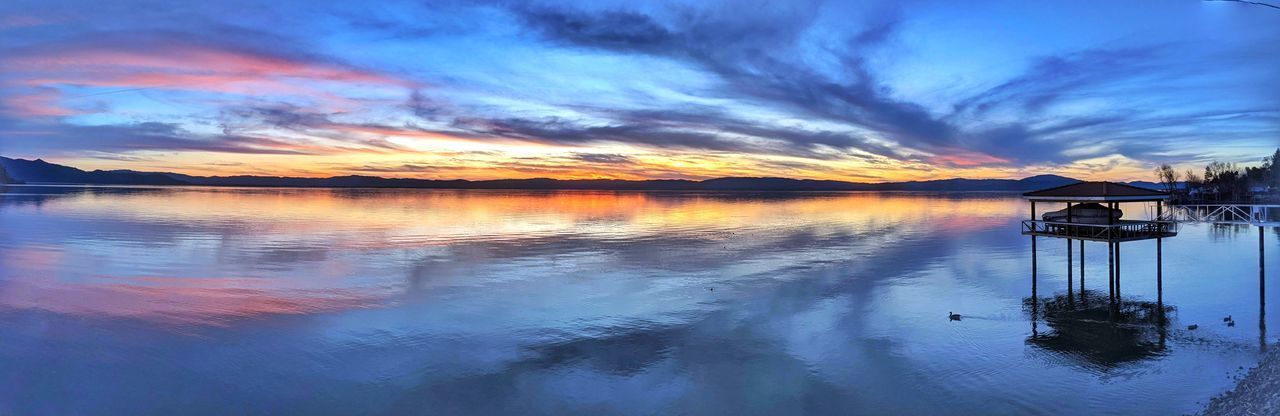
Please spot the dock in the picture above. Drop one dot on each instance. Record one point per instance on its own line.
(1107, 198)
(1104, 199)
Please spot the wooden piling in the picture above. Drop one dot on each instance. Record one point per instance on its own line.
(1082, 298)
(1160, 266)
(1033, 255)
(1070, 295)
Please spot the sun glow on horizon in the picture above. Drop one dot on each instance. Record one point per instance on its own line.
(568, 91)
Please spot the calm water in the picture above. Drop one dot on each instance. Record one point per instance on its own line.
(235, 301)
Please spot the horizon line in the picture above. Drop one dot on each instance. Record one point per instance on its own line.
(531, 178)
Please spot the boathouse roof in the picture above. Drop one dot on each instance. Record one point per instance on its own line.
(1096, 192)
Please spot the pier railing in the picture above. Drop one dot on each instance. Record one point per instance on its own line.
(1120, 231)
(1252, 214)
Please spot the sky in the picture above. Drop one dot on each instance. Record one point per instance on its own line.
(861, 91)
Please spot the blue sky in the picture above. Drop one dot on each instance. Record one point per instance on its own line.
(865, 91)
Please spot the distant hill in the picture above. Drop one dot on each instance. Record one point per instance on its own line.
(4, 176)
(40, 171)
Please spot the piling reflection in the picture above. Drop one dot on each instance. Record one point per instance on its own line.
(1094, 334)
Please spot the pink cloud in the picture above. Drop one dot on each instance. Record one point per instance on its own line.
(179, 65)
(42, 102)
(186, 63)
(178, 301)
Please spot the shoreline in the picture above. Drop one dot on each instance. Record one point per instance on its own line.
(1257, 393)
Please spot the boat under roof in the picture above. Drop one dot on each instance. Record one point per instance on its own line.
(1097, 191)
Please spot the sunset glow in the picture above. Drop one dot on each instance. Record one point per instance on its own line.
(864, 92)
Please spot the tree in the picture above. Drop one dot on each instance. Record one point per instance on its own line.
(1193, 180)
(1272, 166)
(1225, 179)
(1167, 177)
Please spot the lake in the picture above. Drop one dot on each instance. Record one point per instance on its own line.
(361, 301)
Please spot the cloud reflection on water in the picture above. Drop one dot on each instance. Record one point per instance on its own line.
(269, 242)
(481, 302)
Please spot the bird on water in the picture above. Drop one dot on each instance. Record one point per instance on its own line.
(953, 316)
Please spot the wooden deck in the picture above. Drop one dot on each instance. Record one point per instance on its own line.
(1121, 231)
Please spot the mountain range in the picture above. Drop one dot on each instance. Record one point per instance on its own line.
(41, 172)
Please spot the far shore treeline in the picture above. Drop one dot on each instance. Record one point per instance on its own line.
(42, 172)
(1224, 182)
(1219, 181)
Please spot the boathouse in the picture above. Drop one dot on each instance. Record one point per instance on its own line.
(1093, 212)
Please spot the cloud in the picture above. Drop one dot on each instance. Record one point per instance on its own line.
(767, 57)
(171, 60)
(34, 102)
(266, 119)
(1054, 77)
(799, 140)
(656, 133)
(424, 107)
(8, 22)
(397, 168)
(815, 83)
(755, 54)
(275, 115)
(30, 138)
(603, 158)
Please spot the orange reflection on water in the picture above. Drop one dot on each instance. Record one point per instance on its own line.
(423, 215)
(304, 251)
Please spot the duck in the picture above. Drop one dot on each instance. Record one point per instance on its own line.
(953, 316)
(1227, 319)
(1192, 327)
(1231, 324)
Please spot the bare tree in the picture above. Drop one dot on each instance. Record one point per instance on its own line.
(1225, 179)
(1193, 180)
(1167, 177)
(1272, 165)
